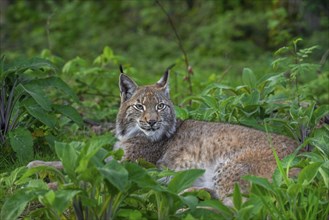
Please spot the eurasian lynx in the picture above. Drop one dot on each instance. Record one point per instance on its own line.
(147, 128)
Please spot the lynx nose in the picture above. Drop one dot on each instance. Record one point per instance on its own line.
(151, 122)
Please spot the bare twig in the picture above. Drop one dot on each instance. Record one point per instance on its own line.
(189, 70)
(323, 61)
(224, 73)
(48, 30)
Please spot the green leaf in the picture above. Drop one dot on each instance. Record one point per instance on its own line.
(74, 65)
(203, 195)
(237, 198)
(325, 174)
(141, 177)
(249, 78)
(59, 200)
(320, 112)
(263, 182)
(130, 214)
(89, 151)
(210, 101)
(15, 205)
(39, 113)
(58, 83)
(116, 174)
(251, 99)
(108, 53)
(217, 205)
(184, 179)
(181, 113)
(191, 201)
(38, 95)
(22, 143)
(68, 155)
(69, 112)
(296, 41)
(294, 189)
(307, 174)
(21, 65)
(34, 171)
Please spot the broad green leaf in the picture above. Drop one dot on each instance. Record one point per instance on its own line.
(68, 155)
(108, 53)
(263, 182)
(251, 99)
(218, 206)
(25, 178)
(246, 212)
(184, 179)
(191, 201)
(22, 143)
(141, 177)
(294, 189)
(280, 167)
(130, 214)
(308, 173)
(203, 195)
(116, 174)
(249, 78)
(320, 112)
(13, 176)
(59, 84)
(210, 101)
(251, 122)
(21, 65)
(15, 205)
(321, 142)
(74, 65)
(36, 92)
(325, 174)
(39, 113)
(60, 199)
(48, 198)
(90, 150)
(181, 113)
(69, 112)
(237, 198)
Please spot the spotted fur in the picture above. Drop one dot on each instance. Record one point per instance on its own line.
(147, 128)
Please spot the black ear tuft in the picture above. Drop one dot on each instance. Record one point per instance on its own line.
(171, 66)
(127, 87)
(163, 83)
(121, 69)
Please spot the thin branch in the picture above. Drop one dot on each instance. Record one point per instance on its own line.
(48, 30)
(189, 70)
(323, 61)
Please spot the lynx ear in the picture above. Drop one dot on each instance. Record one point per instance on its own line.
(127, 87)
(163, 83)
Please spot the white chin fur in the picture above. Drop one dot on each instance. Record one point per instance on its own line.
(153, 135)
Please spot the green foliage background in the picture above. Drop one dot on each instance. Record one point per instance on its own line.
(219, 36)
(262, 64)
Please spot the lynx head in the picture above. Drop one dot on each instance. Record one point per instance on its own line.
(145, 111)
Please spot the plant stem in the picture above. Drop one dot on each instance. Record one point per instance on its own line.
(180, 44)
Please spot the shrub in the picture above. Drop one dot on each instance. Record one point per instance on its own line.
(26, 109)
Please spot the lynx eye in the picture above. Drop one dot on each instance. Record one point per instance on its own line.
(160, 106)
(139, 107)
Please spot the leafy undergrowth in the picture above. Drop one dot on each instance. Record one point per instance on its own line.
(89, 188)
